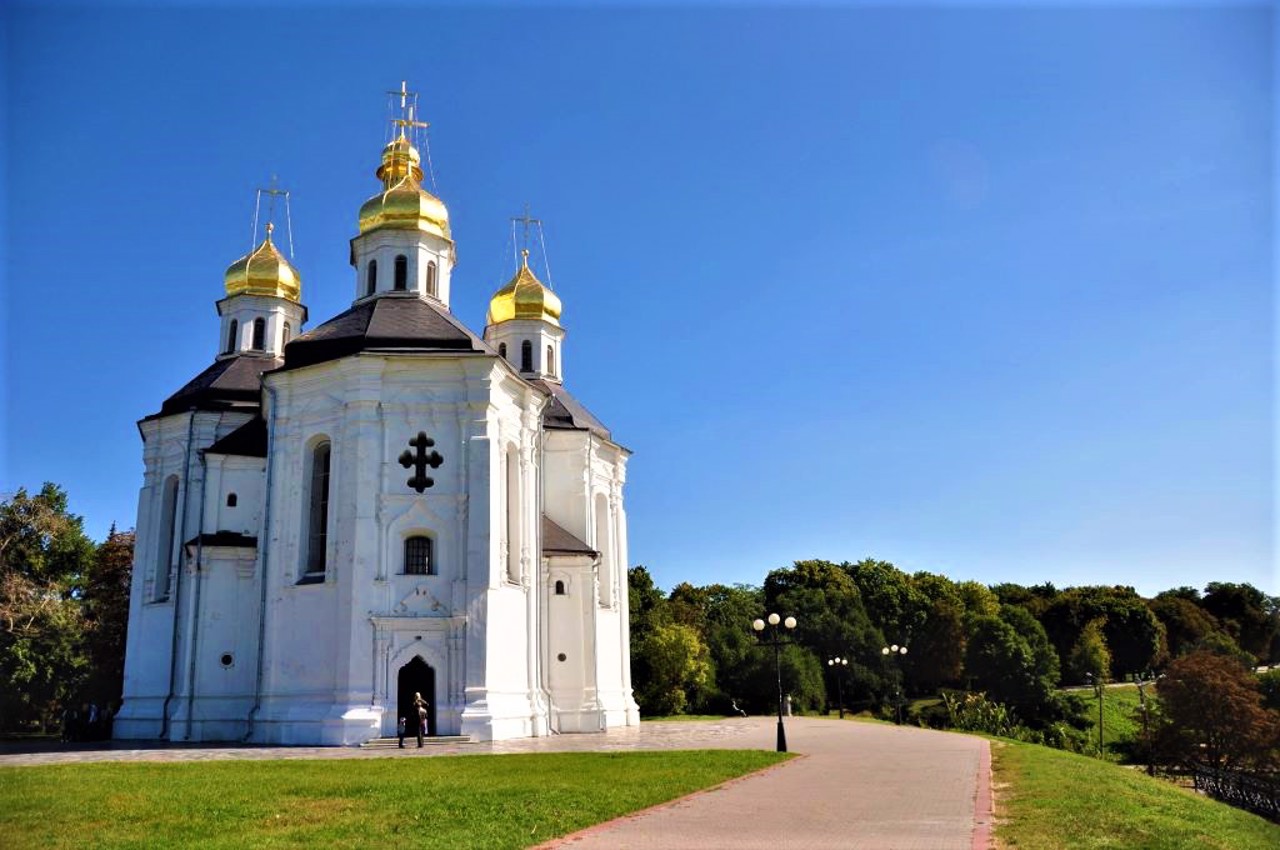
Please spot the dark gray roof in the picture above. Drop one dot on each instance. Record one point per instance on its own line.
(567, 413)
(249, 440)
(396, 322)
(230, 382)
(557, 541)
(229, 539)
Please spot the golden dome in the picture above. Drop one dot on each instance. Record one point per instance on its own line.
(403, 204)
(524, 297)
(264, 271)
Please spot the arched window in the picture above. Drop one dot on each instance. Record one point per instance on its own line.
(371, 278)
(168, 531)
(513, 514)
(559, 588)
(502, 349)
(259, 334)
(605, 549)
(232, 333)
(418, 560)
(431, 278)
(526, 356)
(551, 361)
(231, 500)
(318, 510)
(284, 335)
(402, 272)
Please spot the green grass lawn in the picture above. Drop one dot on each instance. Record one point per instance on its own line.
(1049, 799)
(1121, 720)
(457, 802)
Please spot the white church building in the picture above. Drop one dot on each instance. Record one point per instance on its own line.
(387, 504)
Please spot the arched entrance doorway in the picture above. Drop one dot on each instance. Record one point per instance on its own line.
(416, 677)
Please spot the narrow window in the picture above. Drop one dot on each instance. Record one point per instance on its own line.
(605, 549)
(285, 335)
(231, 336)
(371, 278)
(513, 514)
(402, 272)
(431, 278)
(417, 557)
(318, 509)
(231, 500)
(502, 349)
(168, 531)
(551, 361)
(526, 356)
(559, 588)
(259, 334)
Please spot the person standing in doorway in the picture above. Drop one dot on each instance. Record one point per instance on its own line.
(420, 705)
(400, 730)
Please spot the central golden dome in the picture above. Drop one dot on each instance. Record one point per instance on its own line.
(524, 297)
(403, 204)
(264, 271)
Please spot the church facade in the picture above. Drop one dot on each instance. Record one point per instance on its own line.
(387, 504)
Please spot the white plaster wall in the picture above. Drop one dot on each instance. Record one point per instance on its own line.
(148, 651)
(541, 334)
(244, 309)
(418, 248)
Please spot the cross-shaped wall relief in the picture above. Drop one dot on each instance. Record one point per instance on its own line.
(420, 460)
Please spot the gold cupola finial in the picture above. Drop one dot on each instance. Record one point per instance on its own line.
(264, 271)
(403, 204)
(524, 297)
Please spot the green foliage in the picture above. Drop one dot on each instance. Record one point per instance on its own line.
(973, 712)
(1134, 635)
(1090, 658)
(1185, 623)
(1246, 614)
(44, 560)
(1269, 688)
(106, 601)
(679, 668)
(490, 802)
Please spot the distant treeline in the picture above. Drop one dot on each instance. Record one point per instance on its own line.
(693, 649)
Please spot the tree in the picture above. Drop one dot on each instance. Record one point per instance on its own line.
(1090, 658)
(44, 556)
(1185, 623)
(1013, 670)
(1246, 613)
(1212, 713)
(106, 598)
(679, 669)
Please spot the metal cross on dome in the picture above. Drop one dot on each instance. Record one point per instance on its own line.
(420, 460)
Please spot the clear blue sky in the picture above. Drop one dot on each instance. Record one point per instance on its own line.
(983, 291)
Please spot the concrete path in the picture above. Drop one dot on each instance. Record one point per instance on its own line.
(856, 785)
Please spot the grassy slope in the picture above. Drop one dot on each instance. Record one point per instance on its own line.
(1121, 721)
(1048, 799)
(470, 801)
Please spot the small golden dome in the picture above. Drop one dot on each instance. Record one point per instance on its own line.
(403, 204)
(524, 297)
(264, 271)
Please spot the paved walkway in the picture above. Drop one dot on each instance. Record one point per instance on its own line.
(857, 785)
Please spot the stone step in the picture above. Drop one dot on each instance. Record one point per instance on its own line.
(412, 741)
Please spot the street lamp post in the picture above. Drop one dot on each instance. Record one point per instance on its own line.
(838, 664)
(894, 652)
(776, 642)
(1098, 685)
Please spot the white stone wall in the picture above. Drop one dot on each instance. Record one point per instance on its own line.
(153, 680)
(419, 250)
(243, 309)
